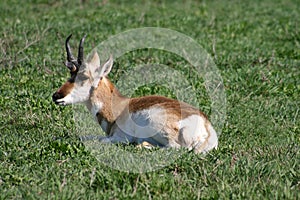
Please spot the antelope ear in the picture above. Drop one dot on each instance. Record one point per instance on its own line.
(102, 71)
(94, 62)
(106, 68)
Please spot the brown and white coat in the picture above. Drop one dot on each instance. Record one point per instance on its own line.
(146, 121)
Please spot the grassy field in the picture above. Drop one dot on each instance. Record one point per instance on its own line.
(256, 47)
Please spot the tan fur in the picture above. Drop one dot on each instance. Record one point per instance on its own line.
(112, 98)
(115, 105)
(177, 124)
(181, 109)
(66, 88)
(113, 102)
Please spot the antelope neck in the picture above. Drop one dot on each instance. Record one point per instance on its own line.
(108, 101)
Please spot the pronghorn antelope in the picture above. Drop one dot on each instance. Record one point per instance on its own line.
(146, 121)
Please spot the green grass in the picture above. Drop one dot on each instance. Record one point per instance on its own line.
(256, 47)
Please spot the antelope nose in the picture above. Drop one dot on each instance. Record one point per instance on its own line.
(56, 96)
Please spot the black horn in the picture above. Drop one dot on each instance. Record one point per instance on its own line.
(70, 57)
(80, 51)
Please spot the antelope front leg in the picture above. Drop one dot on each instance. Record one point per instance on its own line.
(84, 138)
(104, 139)
(145, 145)
(114, 140)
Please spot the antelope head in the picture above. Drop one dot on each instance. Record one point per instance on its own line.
(78, 86)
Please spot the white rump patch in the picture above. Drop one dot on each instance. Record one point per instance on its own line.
(192, 131)
(212, 140)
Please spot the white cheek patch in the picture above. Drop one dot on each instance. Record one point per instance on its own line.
(79, 94)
